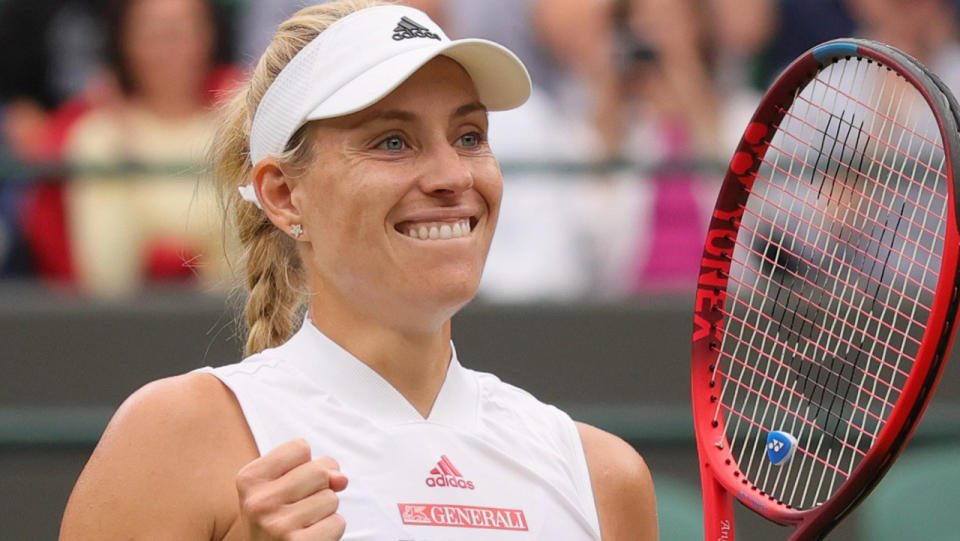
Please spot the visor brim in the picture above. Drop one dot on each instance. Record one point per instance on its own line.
(501, 80)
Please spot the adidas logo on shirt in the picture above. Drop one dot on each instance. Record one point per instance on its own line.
(447, 475)
(407, 29)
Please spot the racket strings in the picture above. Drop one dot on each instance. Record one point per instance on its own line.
(799, 360)
(854, 285)
(845, 244)
(860, 436)
(785, 309)
(892, 122)
(933, 202)
(819, 486)
(921, 140)
(832, 278)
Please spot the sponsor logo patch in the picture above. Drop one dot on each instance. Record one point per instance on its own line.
(462, 516)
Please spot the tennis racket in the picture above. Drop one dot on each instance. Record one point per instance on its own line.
(827, 296)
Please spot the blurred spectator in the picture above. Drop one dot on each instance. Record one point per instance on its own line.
(152, 220)
(259, 21)
(800, 25)
(741, 32)
(685, 100)
(14, 260)
(685, 74)
(48, 49)
(926, 29)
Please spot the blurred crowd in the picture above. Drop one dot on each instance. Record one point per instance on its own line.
(610, 169)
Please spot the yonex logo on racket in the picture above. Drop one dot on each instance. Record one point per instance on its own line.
(447, 475)
(780, 447)
(707, 320)
(407, 29)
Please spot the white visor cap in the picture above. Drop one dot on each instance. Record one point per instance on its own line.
(363, 57)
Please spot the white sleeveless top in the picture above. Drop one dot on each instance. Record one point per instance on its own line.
(489, 463)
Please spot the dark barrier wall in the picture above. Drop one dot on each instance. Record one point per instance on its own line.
(66, 364)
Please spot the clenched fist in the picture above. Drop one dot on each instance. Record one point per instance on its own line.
(285, 495)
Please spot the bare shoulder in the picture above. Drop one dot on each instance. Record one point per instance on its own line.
(622, 486)
(165, 466)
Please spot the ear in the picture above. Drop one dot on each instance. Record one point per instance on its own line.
(275, 191)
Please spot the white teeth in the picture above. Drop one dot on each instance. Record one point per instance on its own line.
(440, 231)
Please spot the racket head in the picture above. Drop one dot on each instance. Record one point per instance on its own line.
(779, 351)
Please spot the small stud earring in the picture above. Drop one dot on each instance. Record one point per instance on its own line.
(296, 230)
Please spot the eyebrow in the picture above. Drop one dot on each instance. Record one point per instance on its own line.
(465, 110)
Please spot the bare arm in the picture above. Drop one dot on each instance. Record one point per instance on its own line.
(622, 487)
(165, 467)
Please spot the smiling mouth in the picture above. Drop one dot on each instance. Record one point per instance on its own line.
(437, 230)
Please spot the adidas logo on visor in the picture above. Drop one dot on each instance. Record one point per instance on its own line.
(407, 29)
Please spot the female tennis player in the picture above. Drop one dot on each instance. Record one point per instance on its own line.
(367, 200)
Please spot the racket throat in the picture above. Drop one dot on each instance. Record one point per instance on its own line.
(717, 508)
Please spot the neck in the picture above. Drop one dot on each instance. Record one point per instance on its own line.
(414, 363)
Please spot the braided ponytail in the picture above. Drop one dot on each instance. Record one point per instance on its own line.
(274, 275)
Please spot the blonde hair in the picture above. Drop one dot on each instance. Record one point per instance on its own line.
(274, 275)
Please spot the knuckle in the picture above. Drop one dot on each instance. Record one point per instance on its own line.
(320, 471)
(254, 506)
(326, 501)
(299, 535)
(276, 527)
(330, 498)
(300, 449)
(329, 463)
(245, 479)
(338, 524)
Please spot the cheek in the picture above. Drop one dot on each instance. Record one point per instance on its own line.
(346, 218)
(489, 183)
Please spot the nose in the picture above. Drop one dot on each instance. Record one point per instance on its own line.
(446, 172)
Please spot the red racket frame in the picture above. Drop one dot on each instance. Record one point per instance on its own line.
(721, 478)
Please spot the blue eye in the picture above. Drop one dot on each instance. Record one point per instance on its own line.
(470, 140)
(392, 143)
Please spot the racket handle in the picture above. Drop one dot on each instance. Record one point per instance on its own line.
(717, 508)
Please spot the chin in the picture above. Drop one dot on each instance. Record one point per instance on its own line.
(459, 294)
(427, 312)
(450, 296)
(437, 290)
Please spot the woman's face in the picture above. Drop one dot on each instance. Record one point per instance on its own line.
(168, 45)
(400, 202)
